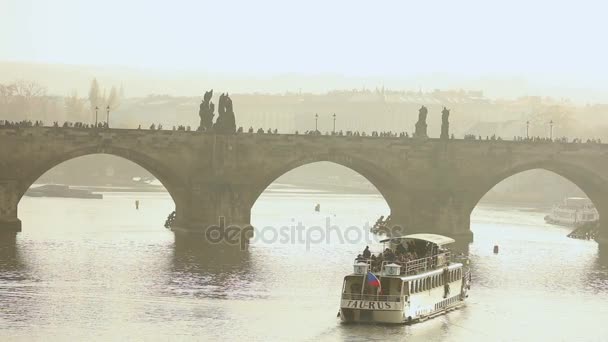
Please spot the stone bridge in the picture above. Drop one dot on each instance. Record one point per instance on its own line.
(430, 185)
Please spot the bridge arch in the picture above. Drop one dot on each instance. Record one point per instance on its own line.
(155, 167)
(14, 193)
(590, 181)
(383, 181)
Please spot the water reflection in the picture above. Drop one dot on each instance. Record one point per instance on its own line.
(207, 270)
(11, 263)
(597, 274)
(16, 292)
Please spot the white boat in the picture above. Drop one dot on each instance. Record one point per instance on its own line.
(427, 284)
(574, 212)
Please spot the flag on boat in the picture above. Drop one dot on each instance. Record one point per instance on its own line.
(372, 280)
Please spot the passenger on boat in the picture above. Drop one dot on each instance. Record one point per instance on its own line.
(400, 249)
(389, 255)
(375, 265)
(366, 253)
(379, 259)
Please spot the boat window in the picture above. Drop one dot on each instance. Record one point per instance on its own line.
(391, 287)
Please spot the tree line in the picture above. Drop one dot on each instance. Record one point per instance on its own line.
(29, 100)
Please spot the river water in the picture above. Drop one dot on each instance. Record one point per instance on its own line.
(100, 270)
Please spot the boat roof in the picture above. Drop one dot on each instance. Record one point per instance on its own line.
(437, 239)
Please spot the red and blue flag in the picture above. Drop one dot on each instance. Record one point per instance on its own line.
(372, 280)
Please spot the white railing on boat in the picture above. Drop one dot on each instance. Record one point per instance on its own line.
(411, 267)
(372, 298)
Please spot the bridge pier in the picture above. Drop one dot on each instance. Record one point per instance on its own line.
(424, 212)
(602, 238)
(9, 199)
(216, 213)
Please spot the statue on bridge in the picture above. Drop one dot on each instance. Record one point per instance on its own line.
(225, 123)
(421, 124)
(206, 112)
(445, 125)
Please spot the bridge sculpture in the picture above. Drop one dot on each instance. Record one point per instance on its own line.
(430, 185)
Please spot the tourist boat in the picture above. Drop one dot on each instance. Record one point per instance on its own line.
(431, 283)
(574, 212)
(56, 190)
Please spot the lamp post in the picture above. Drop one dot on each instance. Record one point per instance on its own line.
(334, 123)
(96, 109)
(316, 123)
(551, 129)
(527, 129)
(108, 116)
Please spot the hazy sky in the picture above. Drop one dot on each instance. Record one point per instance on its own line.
(314, 36)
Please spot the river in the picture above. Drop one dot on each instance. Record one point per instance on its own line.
(101, 270)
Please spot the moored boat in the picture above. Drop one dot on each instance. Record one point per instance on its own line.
(413, 279)
(573, 212)
(57, 190)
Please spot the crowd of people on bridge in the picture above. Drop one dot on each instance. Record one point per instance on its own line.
(39, 123)
(341, 133)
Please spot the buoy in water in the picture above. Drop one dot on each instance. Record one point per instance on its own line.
(495, 249)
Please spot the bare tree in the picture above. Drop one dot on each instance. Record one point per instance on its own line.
(24, 96)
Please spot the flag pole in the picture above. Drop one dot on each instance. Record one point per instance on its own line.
(363, 284)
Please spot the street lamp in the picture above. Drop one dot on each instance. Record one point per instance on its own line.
(96, 109)
(108, 116)
(334, 122)
(316, 123)
(551, 130)
(527, 129)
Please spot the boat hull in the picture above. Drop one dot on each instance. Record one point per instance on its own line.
(362, 316)
(566, 223)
